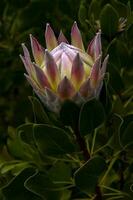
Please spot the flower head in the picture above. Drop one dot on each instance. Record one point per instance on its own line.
(65, 71)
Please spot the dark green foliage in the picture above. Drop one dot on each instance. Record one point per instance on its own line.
(86, 178)
(52, 141)
(42, 155)
(91, 116)
(109, 21)
(16, 189)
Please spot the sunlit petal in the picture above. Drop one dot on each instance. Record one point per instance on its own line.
(65, 66)
(51, 70)
(94, 48)
(95, 72)
(41, 77)
(65, 89)
(37, 51)
(76, 38)
(77, 72)
(62, 38)
(50, 38)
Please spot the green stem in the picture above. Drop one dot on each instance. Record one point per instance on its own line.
(108, 170)
(93, 142)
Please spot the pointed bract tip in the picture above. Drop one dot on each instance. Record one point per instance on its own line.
(76, 38)
(77, 72)
(65, 88)
(32, 38)
(23, 44)
(47, 24)
(104, 65)
(50, 38)
(25, 48)
(46, 50)
(20, 56)
(95, 48)
(74, 26)
(26, 75)
(62, 38)
(107, 57)
(47, 53)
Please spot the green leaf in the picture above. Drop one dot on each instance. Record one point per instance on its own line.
(21, 144)
(128, 190)
(17, 148)
(52, 141)
(118, 53)
(114, 131)
(14, 166)
(130, 61)
(26, 133)
(86, 177)
(127, 136)
(91, 116)
(115, 79)
(109, 20)
(82, 13)
(39, 112)
(105, 97)
(69, 113)
(121, 8)
(127, 120)
(47, 189)
(15, 189)
(94, 8)
(60, 173)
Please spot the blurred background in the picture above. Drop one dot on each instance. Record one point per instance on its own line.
(19, 18)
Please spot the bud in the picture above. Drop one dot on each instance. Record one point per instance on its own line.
(65, 71)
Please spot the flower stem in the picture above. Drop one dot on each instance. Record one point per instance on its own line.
(98, 193)
(86, 154)
(82, 144)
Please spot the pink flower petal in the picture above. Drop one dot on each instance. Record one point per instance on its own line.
(65, 66)
(62, 38)
(41, 77)
(37, 51)
(51, 69)
(71, 53)
(50, 38)
(39, 92)
(85, 89)
(94, 49)
(104, 65)
(51, 96)
(27, 60)
(53, 102)
(65, 89)
(95, 72)
(56, 53)
(32, 82)
(77, 72)
(76, 38)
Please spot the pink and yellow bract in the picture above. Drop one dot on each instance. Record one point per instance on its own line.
(65, 71)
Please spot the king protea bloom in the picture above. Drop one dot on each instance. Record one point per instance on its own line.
(65, 71)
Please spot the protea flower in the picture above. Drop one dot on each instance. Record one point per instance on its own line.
(65, 71)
